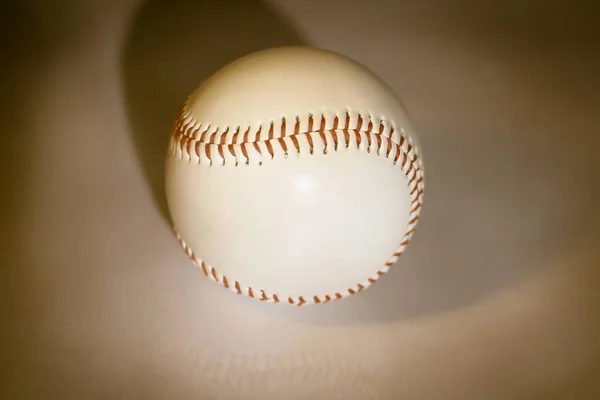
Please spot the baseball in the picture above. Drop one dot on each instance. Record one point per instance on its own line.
(294, 175)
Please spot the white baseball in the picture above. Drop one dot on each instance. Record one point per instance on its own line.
(294, 175)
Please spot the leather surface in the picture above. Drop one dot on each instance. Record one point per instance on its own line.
(498, 299)
(259, 88)
(312, 225)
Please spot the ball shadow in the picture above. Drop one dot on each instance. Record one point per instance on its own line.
(171, 48)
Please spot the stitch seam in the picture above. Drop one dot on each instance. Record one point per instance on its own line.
(213, 145)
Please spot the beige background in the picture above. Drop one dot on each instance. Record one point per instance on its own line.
(497, 297)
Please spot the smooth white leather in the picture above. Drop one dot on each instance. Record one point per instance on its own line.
(290, 81)
(306, 224)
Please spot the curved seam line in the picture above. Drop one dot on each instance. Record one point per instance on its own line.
(416, 195)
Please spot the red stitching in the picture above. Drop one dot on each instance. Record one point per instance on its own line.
(186, 139)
